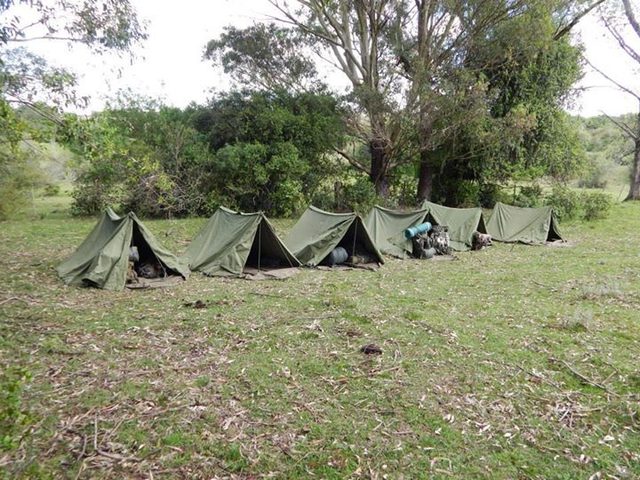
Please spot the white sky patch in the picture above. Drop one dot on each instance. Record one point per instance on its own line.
(600, 95)
(169, 64)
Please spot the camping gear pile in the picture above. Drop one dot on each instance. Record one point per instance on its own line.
(121, 252)
(433, 242)
(428, 240)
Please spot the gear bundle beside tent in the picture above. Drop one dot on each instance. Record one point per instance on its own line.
(463, 224)
(120, 252)
(456, 229)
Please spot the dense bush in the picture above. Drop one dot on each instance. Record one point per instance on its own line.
(596, 177)
(595, 205)
(569, 204)
(359, 196)
(529, 196)
(51, 190)
(565, 202)
(19, 176)
(248, 151)
(490, 194)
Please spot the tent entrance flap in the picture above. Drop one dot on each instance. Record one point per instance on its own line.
(103, 259)
(356, 242)
(267, 251)
(317, 233)
(148, 262)
(234, 244)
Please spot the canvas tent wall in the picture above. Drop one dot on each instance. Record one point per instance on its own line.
(462, 222)
(102, 260)
(317, 233)
(525, 225)
(230, 242)
(387, 227)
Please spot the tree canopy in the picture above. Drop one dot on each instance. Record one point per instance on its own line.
(462, 90)
(28, 80)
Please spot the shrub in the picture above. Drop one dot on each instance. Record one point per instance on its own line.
(325, 196)
(359, 196)
(490, 194)
(595, 205)
(565, 202)
(529, 196)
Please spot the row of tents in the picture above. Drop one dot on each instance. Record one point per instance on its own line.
(239, 244)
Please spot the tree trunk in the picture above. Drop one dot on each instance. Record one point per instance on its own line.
(425, 177)
(378, 173)
(425, 173)
(634, 190)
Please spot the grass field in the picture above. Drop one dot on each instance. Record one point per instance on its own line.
(510, 363)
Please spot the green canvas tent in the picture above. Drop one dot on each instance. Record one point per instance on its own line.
(102, 260)
(234, 244)
(462, 222)
(317, 233)
(525, 225)
(387, 227)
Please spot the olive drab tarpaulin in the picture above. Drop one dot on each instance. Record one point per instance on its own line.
(317, 233)
(387, 227)
(525, 225)
(102, 258)
(231, 241)
(461, 223)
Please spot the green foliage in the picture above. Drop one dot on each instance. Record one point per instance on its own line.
(272, 151)
(246, 151)
(264, 55)
(569, 204)
(565, 202)
(511, 124)
(32, 91)
(259, 177)
(529, 196)
(13, 416)
(143, 157)
(359, 196)
(490, 194)
(19, 176)
(595, 205)
(609, 151)
(595, 178)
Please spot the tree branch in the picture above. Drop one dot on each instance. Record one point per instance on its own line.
(352, 161)
(567, 28)
(631, 17)
(621, 41)
(622, 126)
(618, 84)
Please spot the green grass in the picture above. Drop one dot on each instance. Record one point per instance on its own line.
(513, 362)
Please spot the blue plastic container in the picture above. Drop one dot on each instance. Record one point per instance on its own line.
(417, 230)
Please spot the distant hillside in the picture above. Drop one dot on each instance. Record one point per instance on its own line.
(608, 150)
